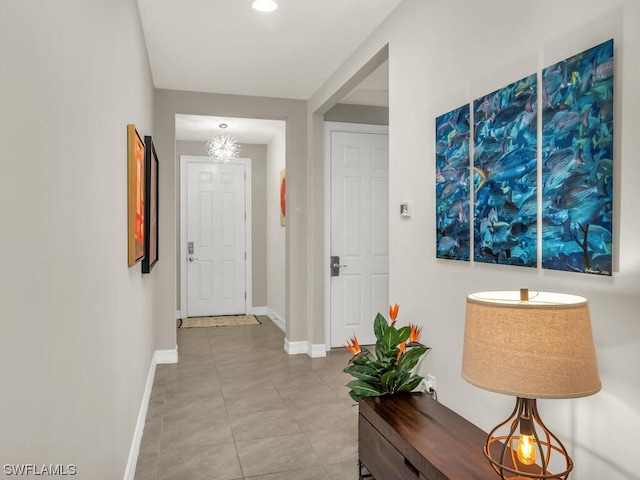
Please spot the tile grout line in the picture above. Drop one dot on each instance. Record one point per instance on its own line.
(226, 410)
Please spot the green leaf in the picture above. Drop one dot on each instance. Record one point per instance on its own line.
(363, 372)
(390, 340)
(364, 389)
(410, 357)
(403, 377)
(387, 362)
(376, 365)
(355, 396)
(359, 368)
(412, 383)
(403, 334)
(363, 358)
(379, 326)
(387, 378)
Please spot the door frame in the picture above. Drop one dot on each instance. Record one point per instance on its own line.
(184, 161)
(330, 127)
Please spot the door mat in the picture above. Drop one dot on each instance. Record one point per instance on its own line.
(221, 321)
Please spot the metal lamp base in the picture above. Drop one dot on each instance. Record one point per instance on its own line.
(500, 449)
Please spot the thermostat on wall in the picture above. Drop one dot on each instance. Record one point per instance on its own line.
(405, 209)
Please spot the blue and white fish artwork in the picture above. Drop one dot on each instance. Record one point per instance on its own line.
(577, 162)
(505, 175)
(452, 185)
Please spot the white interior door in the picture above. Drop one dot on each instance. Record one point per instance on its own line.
(216, 252)
(359, 234)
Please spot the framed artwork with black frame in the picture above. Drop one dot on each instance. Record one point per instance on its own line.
(150, 206)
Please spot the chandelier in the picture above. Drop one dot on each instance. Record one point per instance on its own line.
(223, 148)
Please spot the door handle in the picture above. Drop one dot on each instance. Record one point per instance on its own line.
(335, 266)
(192, 259)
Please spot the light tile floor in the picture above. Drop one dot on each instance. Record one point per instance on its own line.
(237, 406)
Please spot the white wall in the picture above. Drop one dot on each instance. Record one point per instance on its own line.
(77, 324)
(276, 234)
(445, 54)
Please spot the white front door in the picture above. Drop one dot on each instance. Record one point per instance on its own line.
(359, 234)
(216, 249)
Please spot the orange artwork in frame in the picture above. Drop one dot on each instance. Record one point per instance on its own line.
(135, 195)
(283, 198)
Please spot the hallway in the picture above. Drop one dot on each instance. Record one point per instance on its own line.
(237, 406)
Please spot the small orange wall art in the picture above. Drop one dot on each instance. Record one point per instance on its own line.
(283, 198)
(135, 200)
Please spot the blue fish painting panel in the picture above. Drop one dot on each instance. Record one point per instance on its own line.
(505, 175)
(577, 162)
(452, 185)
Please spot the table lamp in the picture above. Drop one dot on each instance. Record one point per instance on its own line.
(529, 346)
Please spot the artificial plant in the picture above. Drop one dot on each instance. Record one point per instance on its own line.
(388, 371)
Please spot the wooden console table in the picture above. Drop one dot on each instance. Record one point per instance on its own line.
(409, 437)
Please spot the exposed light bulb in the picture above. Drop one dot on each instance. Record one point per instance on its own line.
(264, 5)
(526, 451)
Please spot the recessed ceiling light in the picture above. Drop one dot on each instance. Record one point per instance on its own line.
(264, 5)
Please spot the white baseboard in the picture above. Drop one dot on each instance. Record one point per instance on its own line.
(130, 471)
(277, 319)
(297, 348)
(259, 311)
(159, 357)
(316, 350)
(178, 314)
(166, 356)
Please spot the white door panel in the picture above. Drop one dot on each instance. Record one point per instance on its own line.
(359, 233)
(216, 226)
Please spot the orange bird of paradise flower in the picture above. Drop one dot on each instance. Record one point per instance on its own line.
(353, 346)
(393, 312)
(414, 335)
(402, 348)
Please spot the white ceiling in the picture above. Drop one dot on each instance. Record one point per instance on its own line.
(224, 46)
(374, 90)
(200, 128)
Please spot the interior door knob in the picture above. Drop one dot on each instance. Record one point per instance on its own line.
(336, 266)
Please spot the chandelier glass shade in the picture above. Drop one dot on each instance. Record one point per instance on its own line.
(223, 148)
